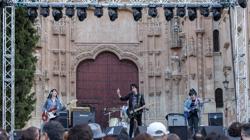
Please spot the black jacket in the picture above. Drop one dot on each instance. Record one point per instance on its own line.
(129, 98)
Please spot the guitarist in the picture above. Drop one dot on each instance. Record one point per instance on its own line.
(52, 105)
(135, 100)
(192, 110)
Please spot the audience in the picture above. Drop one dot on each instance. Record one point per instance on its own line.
(3, 135)
(80, 132)
(97, 131)
(53, 130)
(245, 131)
(31, 133)
(234, 131)
(198, 136)
(172, 136)
(143, 136)
(157, 130)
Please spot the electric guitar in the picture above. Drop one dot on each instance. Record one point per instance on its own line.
(132, 112)
(195, 110)
(46, 116)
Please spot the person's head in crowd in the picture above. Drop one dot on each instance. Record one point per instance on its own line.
(110, 137)
(80, 132)
(53, 130)
(3, 134)
(245, 131)
(31, 133)
(211, 136)
(173, 136)
(143, 136)
(97, 131)
(121, 135)
(198, 136)
(157, 130)
(65, 135)
(222, 137)
(234, 129)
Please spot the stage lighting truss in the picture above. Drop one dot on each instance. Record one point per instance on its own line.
(44, 10)
(204, 10)
(181, 10)
(57, 12)
(152, 10)
(137, 14)
(112, 12)
(98, 11)
(32, 12)
(82, 12)
(216, 9)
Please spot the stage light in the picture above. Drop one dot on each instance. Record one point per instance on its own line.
(70, 11)
(242, 3)
(81, 13)
(152, 10)
(57, 13)
(216, 12)
(192, 14)
(181, 11)
(204, 10)
(98, 11)
(137, 14)
(112, 11)
(32, 12)
(168, 12)
(44, 10)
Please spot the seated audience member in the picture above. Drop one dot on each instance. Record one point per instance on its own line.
(172, 136)
(97, 131)
(31, 133)
(53, 130)
(3, 135)
(234, 131)
(245, 131)
(143, 136)
(80, 132)
(157, 130)
(198, 136)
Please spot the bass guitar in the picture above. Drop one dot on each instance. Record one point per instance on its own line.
(131, 113)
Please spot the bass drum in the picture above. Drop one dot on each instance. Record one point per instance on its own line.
(124, 125)
(113, 122)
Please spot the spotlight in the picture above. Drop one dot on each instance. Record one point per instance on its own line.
(216, 12)
(168, 12)
(181, 11)
(112, 11)
(57, 13)
(152, 10)
(81, 13)
(242, 3)
(32, 12)
(204, 10)
(137, 14)
(44, 10)
(98, 11)
(192, 14)
(70, 11)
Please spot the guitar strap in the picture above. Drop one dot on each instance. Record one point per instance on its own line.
(139, 100)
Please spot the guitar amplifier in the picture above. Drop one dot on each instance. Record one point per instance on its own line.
(80, 117)
(63, 118)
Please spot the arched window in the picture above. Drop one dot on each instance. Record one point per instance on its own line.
(216, 41)
(219, 98)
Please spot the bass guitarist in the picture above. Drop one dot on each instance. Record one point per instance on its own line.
(192, 108)
(135, 100)
(52, 105)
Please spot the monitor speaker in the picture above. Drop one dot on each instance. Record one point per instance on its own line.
(181, 131)
(215, 119)
(206, 130)
(117, 131)
(79, 117)
(139, 130)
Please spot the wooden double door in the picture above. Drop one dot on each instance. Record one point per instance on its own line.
(97, 82)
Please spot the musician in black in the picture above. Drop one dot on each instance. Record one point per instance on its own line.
(135, 100)
(192, 108)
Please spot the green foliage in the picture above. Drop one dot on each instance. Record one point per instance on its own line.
(25, 42)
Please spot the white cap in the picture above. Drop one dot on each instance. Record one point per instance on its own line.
(96, 129)
(157, 129)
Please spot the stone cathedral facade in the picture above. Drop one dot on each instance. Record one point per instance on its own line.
(169, 59)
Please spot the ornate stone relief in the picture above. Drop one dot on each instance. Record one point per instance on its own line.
(59, 27)
(175, 63)
(154, 27)
(191, 47)
(208, 48)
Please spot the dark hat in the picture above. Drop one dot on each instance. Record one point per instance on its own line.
(192, 92)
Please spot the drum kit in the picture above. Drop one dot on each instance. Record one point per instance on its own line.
(123, 120)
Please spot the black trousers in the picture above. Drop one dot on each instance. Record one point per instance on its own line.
(132, 123)
(193, 122)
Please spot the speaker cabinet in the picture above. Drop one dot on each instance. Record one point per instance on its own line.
(139, 130)
(206, 130)
(215, 119)
(117, 131)
(79, 117)
(63, 118)
(176, 119)
(181, 131)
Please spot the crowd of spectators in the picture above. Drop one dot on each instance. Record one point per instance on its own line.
(53, 130)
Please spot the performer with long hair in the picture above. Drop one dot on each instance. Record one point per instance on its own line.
(135, 101)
